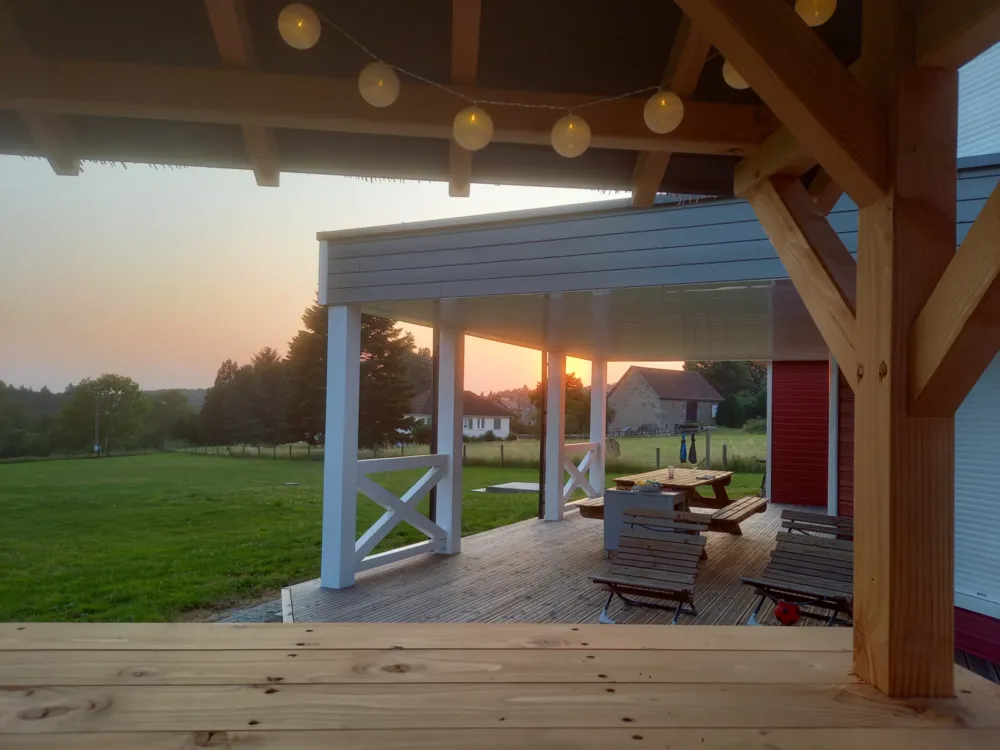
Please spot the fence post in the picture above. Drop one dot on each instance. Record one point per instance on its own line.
(402, 448)
(464, 446)
(501, 455)
(258, 450)
(274, 452)
(309, 451)
(725, 456)
(657, 458)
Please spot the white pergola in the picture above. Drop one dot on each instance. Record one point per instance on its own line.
(526, 278)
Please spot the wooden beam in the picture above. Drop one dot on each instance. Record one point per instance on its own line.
(52, 135)
(465, 20)
(801, 80)
(957, 333)
(950, 34)
(825, 192)
(819, 265)
(232, 37)
(903, 463)
(687, 60)
(780, 154)
(243, 97)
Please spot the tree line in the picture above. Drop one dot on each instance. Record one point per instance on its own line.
(269, 400)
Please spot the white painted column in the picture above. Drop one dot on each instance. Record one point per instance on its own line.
(770, 390)
(598, 421)
(833, 441)
(451, 382)
(555, 436)
(340, 462)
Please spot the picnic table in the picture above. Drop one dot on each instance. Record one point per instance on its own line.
(686, 480)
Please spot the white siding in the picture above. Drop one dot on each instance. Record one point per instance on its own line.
(479, 426)
(977, 497)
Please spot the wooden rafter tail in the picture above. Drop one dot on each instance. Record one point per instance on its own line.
(53, 136)
(957, 333)
(688, 55)
(465, 22)
(819, 265)
(232, 38)
(805, 85)
(950, 34)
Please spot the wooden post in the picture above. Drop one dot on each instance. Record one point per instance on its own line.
(833, 441)
(451, 382)
(657, 458)
(725, 457)
(555, 436)
(904, 466)
(598, 421)
(501, 455)
(340, 464)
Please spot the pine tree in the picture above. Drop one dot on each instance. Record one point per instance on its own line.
(386, 391)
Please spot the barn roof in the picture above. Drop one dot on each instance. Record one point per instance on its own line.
(675, 385)
(211, 83)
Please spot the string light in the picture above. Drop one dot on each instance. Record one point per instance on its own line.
(570, 136)
(378, 84)
(299, 26)
(815, 12)
(732, 76)
(473, 128)
(663, 112)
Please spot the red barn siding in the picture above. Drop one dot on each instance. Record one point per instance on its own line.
(799, 428)
(977, 634)
(845, 450)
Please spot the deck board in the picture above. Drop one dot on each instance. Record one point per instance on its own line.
(104, 687)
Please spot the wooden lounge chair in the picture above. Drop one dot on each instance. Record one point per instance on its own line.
(657, 558)
(812, 564)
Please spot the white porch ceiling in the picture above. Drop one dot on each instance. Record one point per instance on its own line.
(746, 320)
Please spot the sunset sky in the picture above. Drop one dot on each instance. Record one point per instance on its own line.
(160, 274)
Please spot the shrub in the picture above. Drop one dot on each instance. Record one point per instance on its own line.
(756, 426)
(489, 437)
(511, 437)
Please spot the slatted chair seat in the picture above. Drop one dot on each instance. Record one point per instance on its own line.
(657, 558)
(590, 507)
(811, 570)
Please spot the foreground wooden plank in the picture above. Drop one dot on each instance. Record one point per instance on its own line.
(304, 636)
(31, 668)
(518, 739)
(313, 707)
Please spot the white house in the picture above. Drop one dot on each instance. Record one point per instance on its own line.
(479, 415)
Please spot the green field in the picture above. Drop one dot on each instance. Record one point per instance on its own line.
(150, 538)
(637, 453)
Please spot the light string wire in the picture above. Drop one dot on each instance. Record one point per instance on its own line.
(492, 102)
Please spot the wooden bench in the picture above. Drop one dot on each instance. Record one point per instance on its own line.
(841, 527)
(816, 571)
(590, 507)
(657, 558)
(728, 519)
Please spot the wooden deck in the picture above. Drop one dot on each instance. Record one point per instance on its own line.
(475, 686)
(534, 571)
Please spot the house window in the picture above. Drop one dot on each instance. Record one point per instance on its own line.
(467, 423)
(692, 411)
(482, 423)
(496, 424)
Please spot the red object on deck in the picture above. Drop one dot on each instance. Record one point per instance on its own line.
(799, 430)
(787, 613)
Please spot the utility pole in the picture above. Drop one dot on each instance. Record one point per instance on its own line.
(97, 425)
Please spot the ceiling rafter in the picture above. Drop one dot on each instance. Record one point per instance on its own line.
(232, 37)
(465, 22)
(824, 107)
(243, 97)
(52, 135)
(687, 60)
(950, 34)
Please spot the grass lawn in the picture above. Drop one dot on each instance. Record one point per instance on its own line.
(148, 538)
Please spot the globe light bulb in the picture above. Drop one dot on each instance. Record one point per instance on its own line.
(378, 84)
(815, 12)
(473, 128)
(663, 112)
(732, 76)
(299, 26)
(570, 136)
